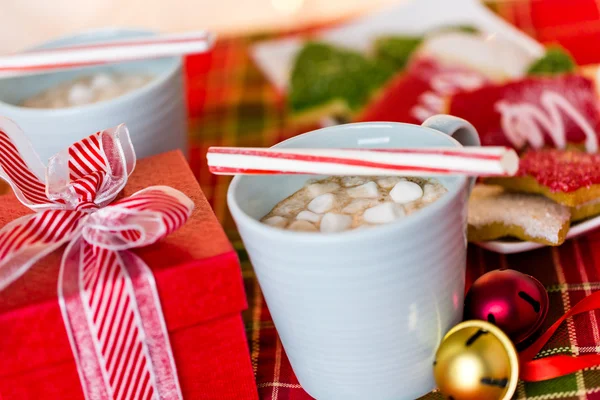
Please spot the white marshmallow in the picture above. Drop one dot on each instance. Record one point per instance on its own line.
(389, 182)
(308, 216)
(317, 189)
(79, 94)
(332, 222)
(276, 221)
(101, 81)
(322, 203)
(368, 190)
(358, 205)
(349, 181)
(405, 192)
(302, 226)
(383, 213)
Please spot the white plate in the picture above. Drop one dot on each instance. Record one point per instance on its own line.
(510, 247)
(411, 17)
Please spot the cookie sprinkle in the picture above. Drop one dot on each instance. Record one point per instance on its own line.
(539, 217)
(561, 170)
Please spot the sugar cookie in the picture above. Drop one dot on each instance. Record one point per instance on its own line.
(495, 213)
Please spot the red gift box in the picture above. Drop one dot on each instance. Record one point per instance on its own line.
(201, 293)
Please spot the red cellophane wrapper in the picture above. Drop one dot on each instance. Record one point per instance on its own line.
(201, 291)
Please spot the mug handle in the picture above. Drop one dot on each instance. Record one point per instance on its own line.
(458, 128)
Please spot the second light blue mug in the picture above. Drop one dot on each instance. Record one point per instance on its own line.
(154, 113)
(360, 313)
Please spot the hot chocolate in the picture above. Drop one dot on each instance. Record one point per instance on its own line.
(338, 204)
(87, 90)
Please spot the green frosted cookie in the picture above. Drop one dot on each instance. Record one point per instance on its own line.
(395, 51)
(329, 80)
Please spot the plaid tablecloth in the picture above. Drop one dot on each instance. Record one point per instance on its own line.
(231, 104)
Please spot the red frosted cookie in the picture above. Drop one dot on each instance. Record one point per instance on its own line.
(421, 91)
(533, 112)
(569, 177)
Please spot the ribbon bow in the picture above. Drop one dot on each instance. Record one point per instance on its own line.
(107, 294)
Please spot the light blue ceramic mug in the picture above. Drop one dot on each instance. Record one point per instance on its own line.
(154, 113)
(361, 313)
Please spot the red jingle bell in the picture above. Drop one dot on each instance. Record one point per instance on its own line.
(515, 302)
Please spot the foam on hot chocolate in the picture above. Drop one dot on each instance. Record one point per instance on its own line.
(338, 204)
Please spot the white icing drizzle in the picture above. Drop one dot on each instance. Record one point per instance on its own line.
(522, 122)
(444, 84)
(447, 82)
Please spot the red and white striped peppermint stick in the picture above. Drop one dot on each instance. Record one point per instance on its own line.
(107, 295)
(47, 60)
(471, 161)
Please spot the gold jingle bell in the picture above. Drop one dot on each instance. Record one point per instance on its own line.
(476, 361)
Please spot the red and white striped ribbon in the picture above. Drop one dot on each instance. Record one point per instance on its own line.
(107, 294)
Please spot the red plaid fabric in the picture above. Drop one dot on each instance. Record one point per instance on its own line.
(574, 24)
